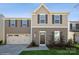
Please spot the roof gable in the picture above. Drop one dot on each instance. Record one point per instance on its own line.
(42, 6)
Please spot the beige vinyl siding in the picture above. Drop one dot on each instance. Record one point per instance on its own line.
(18, 29)
(44, 11)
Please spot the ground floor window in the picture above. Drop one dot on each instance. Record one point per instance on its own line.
(56, 36)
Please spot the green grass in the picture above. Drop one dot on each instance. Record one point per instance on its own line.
(53, 51)
(76, 45)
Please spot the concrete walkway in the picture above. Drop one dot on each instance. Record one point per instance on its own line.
(36, 48)
(12, 49)
(15, 49)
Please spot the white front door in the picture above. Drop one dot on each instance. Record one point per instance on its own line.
(42, 38)
(56, 36)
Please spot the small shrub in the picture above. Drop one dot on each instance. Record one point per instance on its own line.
(76, 42)
(70, 43)
(32, 44)
(51, 44)
(76, 46)
(0, 41)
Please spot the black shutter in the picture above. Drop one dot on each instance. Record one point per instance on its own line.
(70, 26)
(53, 36)
(61, 37)
(38, 18)
(9, 22)
(28, 23)
(60, 19)
(46, 19)
(16, 23)
(52, 19)
(76, 26)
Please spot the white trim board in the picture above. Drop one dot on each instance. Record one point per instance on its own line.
(49, 26)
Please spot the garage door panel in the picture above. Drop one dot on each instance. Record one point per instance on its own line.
(19, 39)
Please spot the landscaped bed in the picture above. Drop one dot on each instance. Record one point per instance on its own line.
(53, 51)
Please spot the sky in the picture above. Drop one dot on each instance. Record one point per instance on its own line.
(26, 9)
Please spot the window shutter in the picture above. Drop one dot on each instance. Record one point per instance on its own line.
(76, 26)
(70, 26)
(61, 37)
(46, 19)
(28, 23)
(38, 18)
(52, 19)
(60, 19)
(16, 23)
(53, 36)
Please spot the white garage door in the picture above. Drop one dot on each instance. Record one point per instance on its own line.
(18, 39)
(77, 38)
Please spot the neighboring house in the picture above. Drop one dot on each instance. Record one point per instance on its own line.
(74, 30)
(2, 28)
(49, 26)
(17, 31)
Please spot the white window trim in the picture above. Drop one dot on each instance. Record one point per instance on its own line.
(54, 19)
(44, 20)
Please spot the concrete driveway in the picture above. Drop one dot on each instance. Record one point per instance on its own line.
(12, 49)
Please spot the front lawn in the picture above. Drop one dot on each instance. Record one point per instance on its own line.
(53, 51)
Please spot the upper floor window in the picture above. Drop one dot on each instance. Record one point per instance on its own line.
(77, 26)
(57, 19)
(12, 22)
(72, 26)
(42, 18)
(24, 23)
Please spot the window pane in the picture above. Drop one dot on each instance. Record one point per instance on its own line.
(42, 21)
(56, 21)
(57, 17)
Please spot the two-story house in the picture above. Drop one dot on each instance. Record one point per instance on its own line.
(44, 27)
(49, 26)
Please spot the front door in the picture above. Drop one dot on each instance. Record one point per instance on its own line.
(42, 38)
